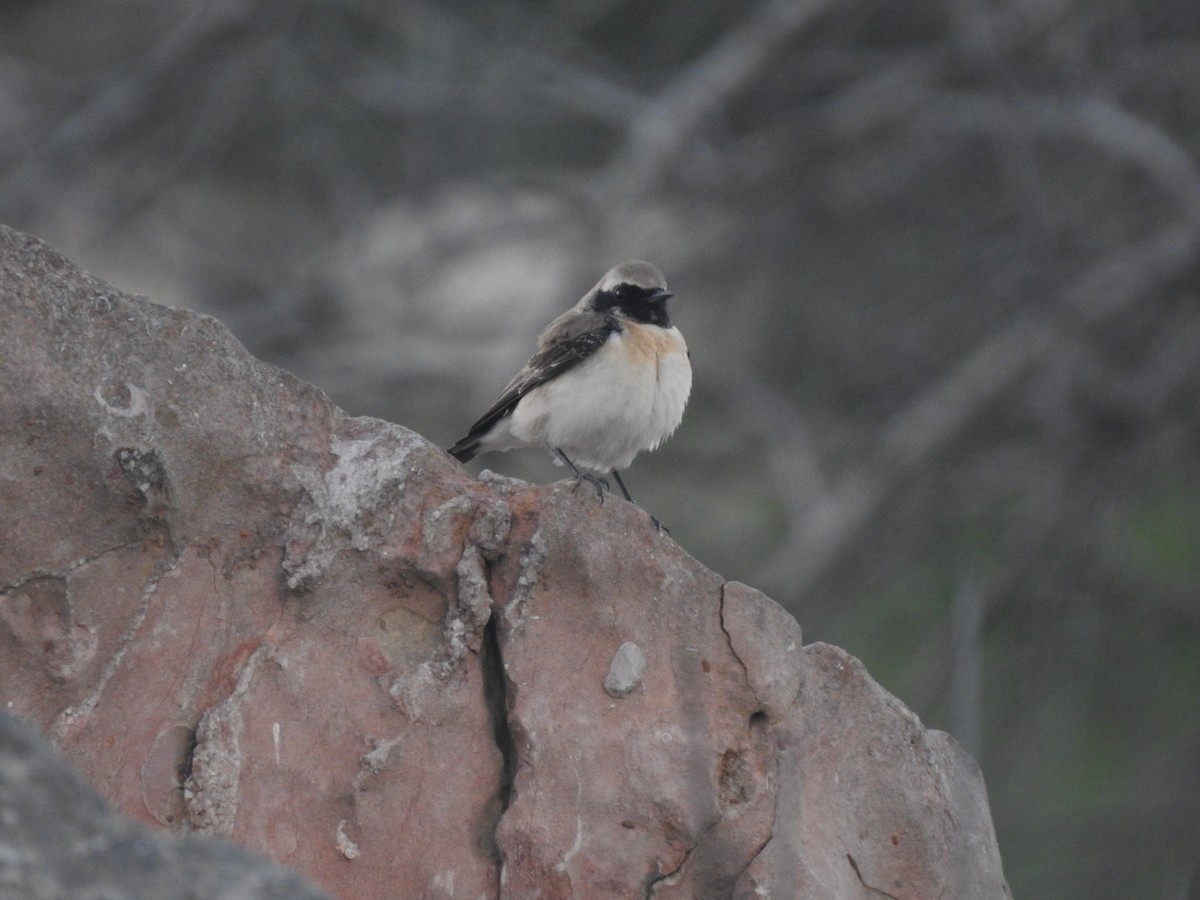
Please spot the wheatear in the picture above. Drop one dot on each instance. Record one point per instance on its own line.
(609, 379)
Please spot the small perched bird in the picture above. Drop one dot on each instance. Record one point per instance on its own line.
(610, 379)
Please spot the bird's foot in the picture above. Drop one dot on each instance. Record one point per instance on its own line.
(659, 526)
(600, 484)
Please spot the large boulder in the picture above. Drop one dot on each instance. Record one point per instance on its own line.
(238, 610)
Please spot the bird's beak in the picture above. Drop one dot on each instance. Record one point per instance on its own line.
(660, 296)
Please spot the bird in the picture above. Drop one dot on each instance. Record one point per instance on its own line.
(610, 378)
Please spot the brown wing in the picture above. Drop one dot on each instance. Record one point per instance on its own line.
(569, 340)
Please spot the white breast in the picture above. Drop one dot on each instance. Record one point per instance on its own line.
(627, 397)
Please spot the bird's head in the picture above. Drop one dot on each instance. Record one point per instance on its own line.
(634, 289)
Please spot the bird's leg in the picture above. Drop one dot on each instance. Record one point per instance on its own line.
(624, 490)
(600, 484)
(621, 485)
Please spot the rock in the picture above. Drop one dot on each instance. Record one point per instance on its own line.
(625, 671)
(234, 608)
(766, 640)
(59, 839)
(870, 803)
(239, 611)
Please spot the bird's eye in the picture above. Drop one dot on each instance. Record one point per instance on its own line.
(621, 292)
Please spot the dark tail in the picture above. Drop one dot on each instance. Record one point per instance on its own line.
(465, 449)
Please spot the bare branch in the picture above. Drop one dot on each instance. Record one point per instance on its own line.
(656, 138)
(113, 108)
(947, 409)
(1092, 119)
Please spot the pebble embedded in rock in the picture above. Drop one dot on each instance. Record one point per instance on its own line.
(626, 670)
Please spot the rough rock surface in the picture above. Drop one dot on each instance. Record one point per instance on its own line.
(60, 841)
(238, 610)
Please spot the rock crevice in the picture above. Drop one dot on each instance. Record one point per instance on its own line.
(496, 697)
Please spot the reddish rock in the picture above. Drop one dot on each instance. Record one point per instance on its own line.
(59, 839)
(237, 610)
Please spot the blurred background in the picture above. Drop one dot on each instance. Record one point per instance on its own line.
(936, 261)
